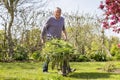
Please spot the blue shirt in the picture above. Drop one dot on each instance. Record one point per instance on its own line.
(53, 28)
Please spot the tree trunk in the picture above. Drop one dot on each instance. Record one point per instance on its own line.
(83, 49)
(4, 43)
(10, 42)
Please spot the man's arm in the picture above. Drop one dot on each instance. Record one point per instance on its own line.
(43, 37)
(64, 34)
(43, 34)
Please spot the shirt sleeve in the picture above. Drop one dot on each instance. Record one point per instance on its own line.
(43, 34)
(63, 25)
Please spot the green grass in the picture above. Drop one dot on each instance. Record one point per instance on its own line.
(33, 71)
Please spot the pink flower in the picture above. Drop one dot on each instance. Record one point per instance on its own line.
(113, 23)
(119, 19)
(113, 17)
(105, 25)
(119, 45)
(118, 29)
(107, 13)
(101, 5)
(107, 1)
(111, 10)
(106, 17)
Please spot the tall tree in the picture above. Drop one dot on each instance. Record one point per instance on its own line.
(12, 7)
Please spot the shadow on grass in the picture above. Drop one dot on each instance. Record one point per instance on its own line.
(91, 75)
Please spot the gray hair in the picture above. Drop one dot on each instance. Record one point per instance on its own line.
(57, 8)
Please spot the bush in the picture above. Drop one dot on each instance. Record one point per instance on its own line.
(115, 51)
(36, 55)
(94, 56)
(79, 58)
(98, 56)
(21, 53)
(74, 57)
(3, 54)
(109, 67)
(82, 58)
(116, 57)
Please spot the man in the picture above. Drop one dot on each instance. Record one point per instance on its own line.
(54, 28)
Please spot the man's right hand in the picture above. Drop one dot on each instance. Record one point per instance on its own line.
(42, 41)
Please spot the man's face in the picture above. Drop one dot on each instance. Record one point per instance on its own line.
(57, 13)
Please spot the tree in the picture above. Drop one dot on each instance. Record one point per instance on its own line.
(11, 9)
(111, 10)
(81, 30)
(10, 5)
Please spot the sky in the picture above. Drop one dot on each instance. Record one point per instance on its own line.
(86, 6)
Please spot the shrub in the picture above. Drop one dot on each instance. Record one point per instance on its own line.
(117, 57)
(3, 54)
(115, 51)
(74, 57)
(21, 53)
(109, 67)
(36, 55)
(82, 58)
(98, 56)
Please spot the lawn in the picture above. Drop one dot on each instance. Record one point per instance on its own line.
(33, 71)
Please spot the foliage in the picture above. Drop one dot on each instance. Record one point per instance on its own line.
(82, 30)
(79, 58)
(32, 40)
(109, 67)
(115, 51)
(57, 50)
(98, 56)
(3, 46)
(17, 18)
(83, 58)
(21, 53)
(37, 55)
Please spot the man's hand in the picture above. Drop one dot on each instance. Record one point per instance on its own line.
(64, 35)
(65, 39)
(42, 41)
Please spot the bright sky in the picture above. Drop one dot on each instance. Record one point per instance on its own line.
(86, 6)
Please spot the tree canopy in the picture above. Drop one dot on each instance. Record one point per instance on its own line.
(111, 9)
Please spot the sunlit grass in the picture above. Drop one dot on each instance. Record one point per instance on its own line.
(33, 71)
